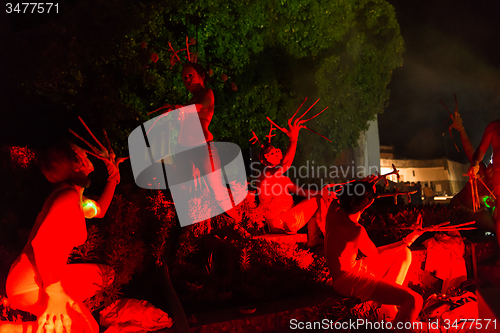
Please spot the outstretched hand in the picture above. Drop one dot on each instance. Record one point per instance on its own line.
(417, 231)
(457, 121)
(107, 155)
(294, 125)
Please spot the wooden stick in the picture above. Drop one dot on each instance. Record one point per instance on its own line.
(305, 99)
(91, 134)
(175, 53)
(85, 141)
(316, 114)
(272, 122)
(324, 137)
(156, 110)
(108, 143)
(308, 109)
(451, 115)
(492, 194)
(187, 49)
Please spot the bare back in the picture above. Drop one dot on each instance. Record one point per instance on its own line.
(342, 238)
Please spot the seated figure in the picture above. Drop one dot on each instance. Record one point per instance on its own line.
(41, 281)
(379, 275)
(275, 190)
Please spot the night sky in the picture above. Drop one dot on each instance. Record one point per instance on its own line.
(451, 46)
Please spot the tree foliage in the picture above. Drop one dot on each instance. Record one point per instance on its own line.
(277, 52)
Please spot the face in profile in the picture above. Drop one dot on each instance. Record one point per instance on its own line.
(273, 156)
(192, 80)
(83, 163)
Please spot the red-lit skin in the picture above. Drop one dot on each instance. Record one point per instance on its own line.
(491, 137)
(202, 98)
(50, 243)
(345, 236)
(272, 178)
(463, 199)
(86, 167)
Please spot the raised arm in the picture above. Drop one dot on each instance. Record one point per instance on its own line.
(481, 149)
(292, 132)
(113, 179)
(466, 144)
(289, 154)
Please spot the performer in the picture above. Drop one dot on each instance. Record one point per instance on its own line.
(380, 275)
(429, 195)
(491, 137)
(207, 160)
(275, 190)
(40, 281)
(463, 199)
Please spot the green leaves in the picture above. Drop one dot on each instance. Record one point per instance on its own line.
(277, 52)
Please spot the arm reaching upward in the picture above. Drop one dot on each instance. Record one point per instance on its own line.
(481, 149)
(466, 144)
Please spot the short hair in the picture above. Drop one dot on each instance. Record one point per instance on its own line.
(266, 149)
(56, 162)
(356, 196)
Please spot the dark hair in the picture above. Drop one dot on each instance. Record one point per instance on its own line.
(356, 196)
(263, 151)
(198, 68)
(56, 164)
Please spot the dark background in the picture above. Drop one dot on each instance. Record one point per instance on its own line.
(451, 46)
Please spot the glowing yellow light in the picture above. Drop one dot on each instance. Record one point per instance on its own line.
(90, 208)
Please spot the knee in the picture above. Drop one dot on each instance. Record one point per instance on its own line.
(406, 256)
(403, 256)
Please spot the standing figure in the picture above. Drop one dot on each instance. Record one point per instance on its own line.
(429, 195)
(491, 137)
(463, 199)
(40, 281)
(205, 159)
(380, 274)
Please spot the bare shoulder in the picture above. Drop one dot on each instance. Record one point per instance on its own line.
(207, 93)
(494, 126)
(68, 195)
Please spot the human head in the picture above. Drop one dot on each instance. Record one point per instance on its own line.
(356, 196)
(193, 76)
(270, 156)
(66, 162)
